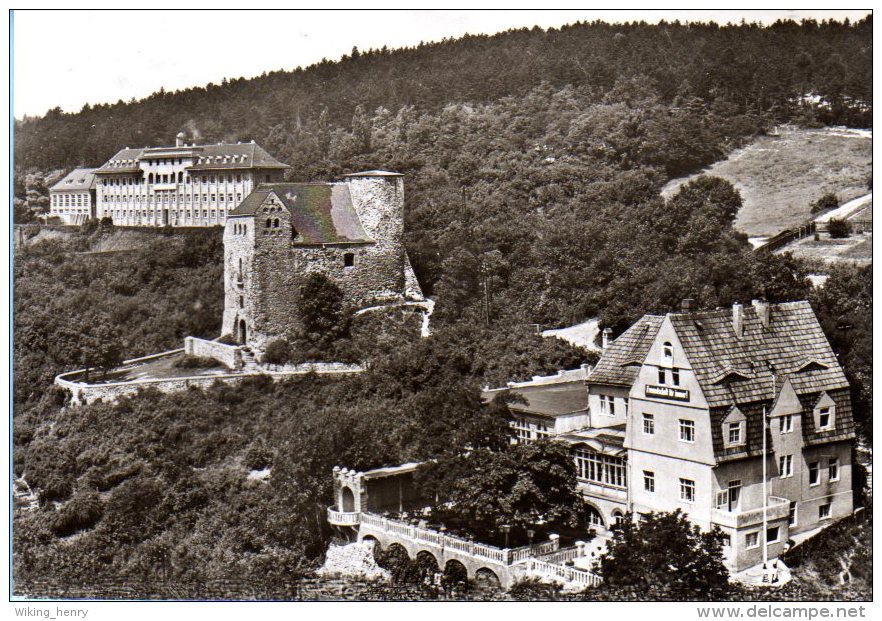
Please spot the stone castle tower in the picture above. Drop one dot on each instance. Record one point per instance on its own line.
(350, 231)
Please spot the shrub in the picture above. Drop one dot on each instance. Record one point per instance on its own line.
(83, 511)
(838, 229)
(195, 362)
(278, 352)
(533, 589)
(227, 339)
(258, 456)
(826, 202)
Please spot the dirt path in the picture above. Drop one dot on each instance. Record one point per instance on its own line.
(846, 209)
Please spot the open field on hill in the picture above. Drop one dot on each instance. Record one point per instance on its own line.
(779, 177)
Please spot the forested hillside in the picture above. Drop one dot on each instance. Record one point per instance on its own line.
(752, 69)
(533, 162)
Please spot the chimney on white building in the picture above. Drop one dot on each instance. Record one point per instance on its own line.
(762, 311)
(605, 338)
(687, 305)
(179, 139)
(738, 319)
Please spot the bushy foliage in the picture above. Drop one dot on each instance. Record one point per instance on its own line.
(665, 551)
(825, 203)
(518, 486)
(838, 228)
(278, 351)
(195, 362)
(81, 512)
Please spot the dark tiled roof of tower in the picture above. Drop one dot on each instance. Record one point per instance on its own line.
(793, 343)
(77, 179)
(622, 358)
(321, 213)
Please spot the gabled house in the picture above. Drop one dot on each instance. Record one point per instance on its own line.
(695, 424)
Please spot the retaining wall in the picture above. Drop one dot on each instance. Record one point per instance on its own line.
(228, 355)
(83, 393)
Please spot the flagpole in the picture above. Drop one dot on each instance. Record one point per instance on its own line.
(765, 497)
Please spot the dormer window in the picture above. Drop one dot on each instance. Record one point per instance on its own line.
(825, 413)
(734, 434)
(668, 352)
(734, 428)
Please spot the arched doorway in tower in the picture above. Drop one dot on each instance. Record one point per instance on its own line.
(243, 332)
(347, 500)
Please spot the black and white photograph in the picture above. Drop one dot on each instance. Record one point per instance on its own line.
(440, 306)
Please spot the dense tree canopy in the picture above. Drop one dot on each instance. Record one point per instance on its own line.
(665, 552)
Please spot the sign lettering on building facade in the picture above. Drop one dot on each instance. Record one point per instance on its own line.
(667, 392)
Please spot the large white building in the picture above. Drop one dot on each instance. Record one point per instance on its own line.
(183, 185)
(72, 200)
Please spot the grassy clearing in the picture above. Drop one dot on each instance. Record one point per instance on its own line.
(857, 249)
(780, 177)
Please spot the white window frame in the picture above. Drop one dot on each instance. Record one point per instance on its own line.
(817, 465)
(828, 412)
(827, 513)
(649, 481)
(777, 534)
(785, 466)
(687, 490)
(648, 418)
(833, 466)
(686, 424)
(747, 537)
(787, 423)
(736, 427)
(792, 514)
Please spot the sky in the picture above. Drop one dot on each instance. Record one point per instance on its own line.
(70, 58)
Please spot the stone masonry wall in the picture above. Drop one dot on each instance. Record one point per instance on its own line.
(228, 355)
(238, 246)
(83, 393)
(274, 268)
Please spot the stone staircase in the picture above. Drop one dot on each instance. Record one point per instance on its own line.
(249, 361)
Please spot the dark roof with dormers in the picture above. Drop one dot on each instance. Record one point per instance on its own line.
(621, 360)
(731, 370)
(77, 179)
(321, 213)
(239, 156)
(843, 427)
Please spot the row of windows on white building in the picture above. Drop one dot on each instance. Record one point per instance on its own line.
(169, 197)
(70, 200)
(179, 177)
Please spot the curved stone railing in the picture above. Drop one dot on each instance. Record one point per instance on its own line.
(503, 556)
(343, 518)
(540, 568)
